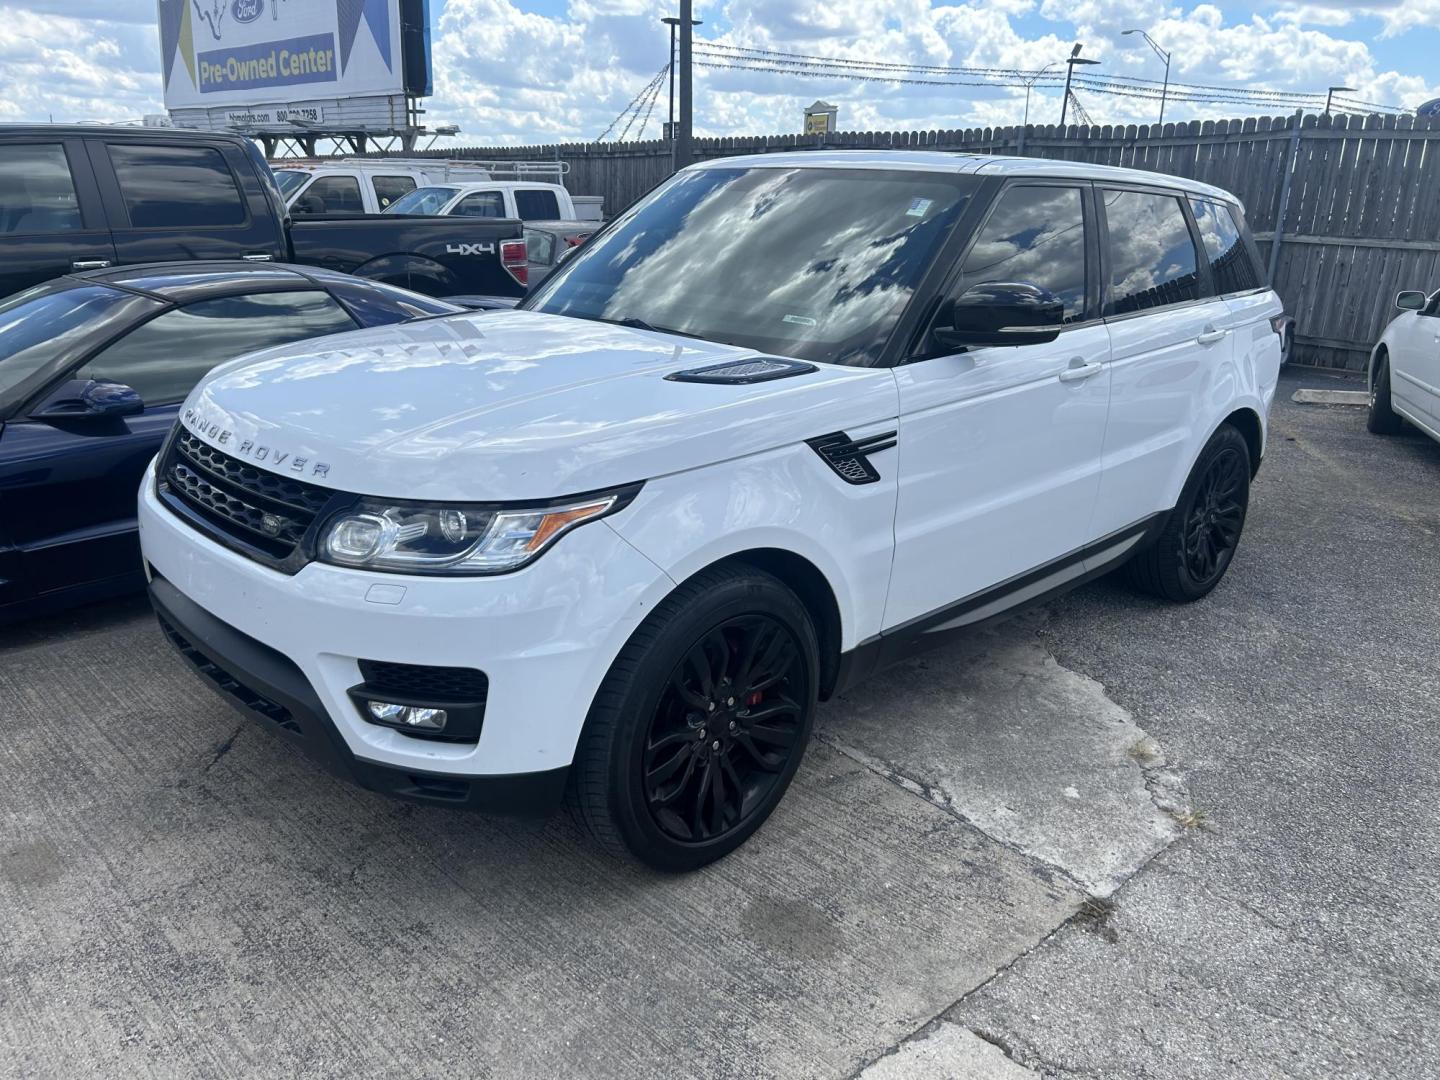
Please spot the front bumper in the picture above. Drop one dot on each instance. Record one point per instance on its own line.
(544, 636)
(268, 688)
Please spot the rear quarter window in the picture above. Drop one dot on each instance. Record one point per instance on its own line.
(1232, 263)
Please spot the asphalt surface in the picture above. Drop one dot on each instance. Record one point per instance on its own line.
(1109, 839)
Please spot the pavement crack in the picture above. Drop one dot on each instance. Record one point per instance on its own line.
(224, 748)
(1026, 1058)
(937, 798)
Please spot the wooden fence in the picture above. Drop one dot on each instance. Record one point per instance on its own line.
(1347, 209)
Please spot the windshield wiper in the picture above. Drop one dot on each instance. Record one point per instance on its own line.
(640, 324)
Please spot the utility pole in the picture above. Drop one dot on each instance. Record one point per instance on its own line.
(672, 21)
(1330, 95)
(1164, 55)
(687, 104)
(1074, 58)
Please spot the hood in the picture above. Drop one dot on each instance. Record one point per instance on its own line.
(510, 405)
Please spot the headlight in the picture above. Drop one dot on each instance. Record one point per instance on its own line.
(412, 538)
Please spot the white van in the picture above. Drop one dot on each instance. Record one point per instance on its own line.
(788, 418)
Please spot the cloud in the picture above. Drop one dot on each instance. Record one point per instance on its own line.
(511, 75)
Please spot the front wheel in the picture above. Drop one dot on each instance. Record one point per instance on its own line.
(701, 723)
(1383, 419)
(1200, 536)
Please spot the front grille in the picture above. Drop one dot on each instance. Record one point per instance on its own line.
(264, 514)
(227, 684)
(425, 683)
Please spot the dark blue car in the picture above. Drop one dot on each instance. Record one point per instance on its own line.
(93, 368)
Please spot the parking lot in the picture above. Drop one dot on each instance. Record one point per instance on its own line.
(1111, 838)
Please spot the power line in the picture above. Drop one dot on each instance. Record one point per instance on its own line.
(654, 97)
(634, 105)
(717, 54)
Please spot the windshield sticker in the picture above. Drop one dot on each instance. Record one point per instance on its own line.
(919, 207)
(799, 320)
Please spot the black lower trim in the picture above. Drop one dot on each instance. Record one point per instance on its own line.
(1020, 593)
(268, 687)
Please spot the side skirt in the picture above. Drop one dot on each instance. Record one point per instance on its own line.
(995, 603)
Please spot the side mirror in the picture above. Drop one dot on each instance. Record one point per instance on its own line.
(1000, 313)
(87, 399)
(1412, 300)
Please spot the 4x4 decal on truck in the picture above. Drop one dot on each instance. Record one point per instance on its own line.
(469, 249)
(850, 457)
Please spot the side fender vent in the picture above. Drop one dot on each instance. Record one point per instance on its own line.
(850, 458)
(741, 372)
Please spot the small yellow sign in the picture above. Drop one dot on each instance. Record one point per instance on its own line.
(817, 123)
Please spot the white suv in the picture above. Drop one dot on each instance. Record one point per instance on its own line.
(788, 418)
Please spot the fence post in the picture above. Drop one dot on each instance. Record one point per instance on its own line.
(1291, 162)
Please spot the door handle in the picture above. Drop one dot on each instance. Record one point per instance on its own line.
(257, 258)
(1079, 370)
(89, 264)
(1209, 336)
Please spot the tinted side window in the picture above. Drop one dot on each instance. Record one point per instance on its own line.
(37, 193)
(390, 188)
(335, 195)
(174, 186)
(537, 205)
(166, 357)
(1035, 235)
(1152, 255)
(1231, 267)
(487, 204)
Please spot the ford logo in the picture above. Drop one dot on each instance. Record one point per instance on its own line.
(245, 11)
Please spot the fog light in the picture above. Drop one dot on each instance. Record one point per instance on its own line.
(407, 716)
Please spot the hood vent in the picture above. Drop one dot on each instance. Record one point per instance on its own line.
(742, 372)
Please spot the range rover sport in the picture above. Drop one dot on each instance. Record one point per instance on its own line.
(787, 419)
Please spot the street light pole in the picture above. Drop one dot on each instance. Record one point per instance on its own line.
(1074, 58)
(1330, 95)
(1165, 89)
(1030, 85)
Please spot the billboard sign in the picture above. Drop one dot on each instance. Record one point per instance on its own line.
(234, 54)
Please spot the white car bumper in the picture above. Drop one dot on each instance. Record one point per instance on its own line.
(544, 637)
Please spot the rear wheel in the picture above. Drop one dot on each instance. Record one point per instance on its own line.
(1383, 419)
(1200, 536)
(701, 723)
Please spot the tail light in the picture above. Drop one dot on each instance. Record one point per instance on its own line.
(1279, 323)
(514, 258)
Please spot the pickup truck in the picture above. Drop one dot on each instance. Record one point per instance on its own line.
(76, 198)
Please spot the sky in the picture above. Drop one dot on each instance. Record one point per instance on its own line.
(543, 71)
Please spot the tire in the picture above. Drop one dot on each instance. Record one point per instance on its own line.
(1287, 346)
(1383, 419)
(660, 777)
(1199, 539)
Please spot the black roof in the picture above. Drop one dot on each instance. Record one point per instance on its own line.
(184, 282)
(112, 131)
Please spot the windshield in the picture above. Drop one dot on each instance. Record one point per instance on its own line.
(813, 263)
(41, 324)
(290, 180)
(425, 200)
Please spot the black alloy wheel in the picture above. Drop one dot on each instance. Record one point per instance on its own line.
(1199, 537)
(724, 729)
(1217, 514)
(701, 722)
